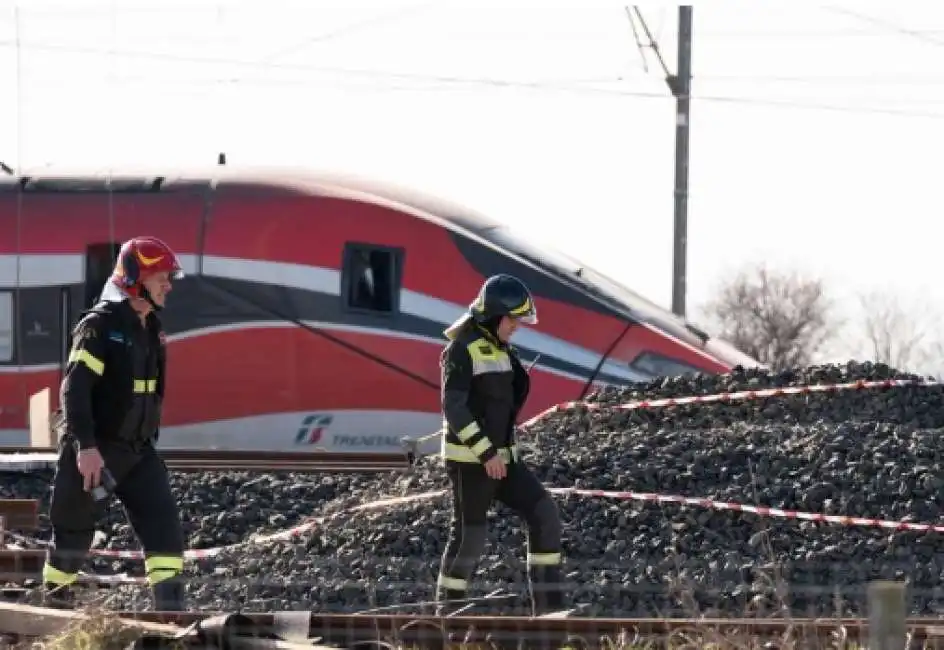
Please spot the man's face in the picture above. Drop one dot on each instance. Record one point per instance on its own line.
(158, 285)
(506, 328)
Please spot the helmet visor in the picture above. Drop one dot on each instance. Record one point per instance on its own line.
(525, 313)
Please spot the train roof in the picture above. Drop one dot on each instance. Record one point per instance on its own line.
(445, 213)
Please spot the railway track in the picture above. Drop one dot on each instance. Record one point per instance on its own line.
(348, 630)
(198, 460)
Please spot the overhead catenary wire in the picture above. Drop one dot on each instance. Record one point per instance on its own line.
(442, 82)
(652, 44)
(924, 36)
(322, 37)
(344, 30)
(18, 44)
(14, 340)
(111, 105)
(639, 45)
(445, 85)
(866, 79)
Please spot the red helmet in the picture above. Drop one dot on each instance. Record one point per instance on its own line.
(141, 257)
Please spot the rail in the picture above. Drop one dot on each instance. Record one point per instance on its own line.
(429, 631)
(198, 460)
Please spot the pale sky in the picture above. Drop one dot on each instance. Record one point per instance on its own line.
(815, 141)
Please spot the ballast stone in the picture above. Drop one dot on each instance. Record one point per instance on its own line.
(870, 452)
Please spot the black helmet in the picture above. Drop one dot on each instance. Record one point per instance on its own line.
(501, 295)
(504, 295)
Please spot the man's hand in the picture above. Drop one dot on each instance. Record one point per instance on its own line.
(90, 464)
(495, 467)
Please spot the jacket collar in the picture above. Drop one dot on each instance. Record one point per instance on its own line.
(491, 338)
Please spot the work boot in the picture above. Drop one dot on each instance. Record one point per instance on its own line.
(547, 589)
(448, 601)
(58, 596)
(169, 595)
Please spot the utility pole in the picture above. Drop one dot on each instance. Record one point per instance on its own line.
(681, 85)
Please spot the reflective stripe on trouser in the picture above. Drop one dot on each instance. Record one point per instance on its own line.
(57, 577)
(145, 385)
(452, 584)
(163, 567)
(463, 454)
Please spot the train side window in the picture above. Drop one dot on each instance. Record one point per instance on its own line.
(371, 277)
(99, 263)
(6, 326)
(662, 366)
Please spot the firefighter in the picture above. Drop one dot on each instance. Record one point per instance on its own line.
(110, 398)
(484, 386)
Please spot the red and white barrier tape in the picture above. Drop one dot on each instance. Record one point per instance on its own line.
(636, 496)
(743, 395)
(195, 554)
(203, 553)
(762, 511)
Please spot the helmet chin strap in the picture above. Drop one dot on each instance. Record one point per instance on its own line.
(147, 296)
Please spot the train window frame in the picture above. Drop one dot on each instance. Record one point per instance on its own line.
(8, 325)
(94, 257)
(654, 357)
(395, 258)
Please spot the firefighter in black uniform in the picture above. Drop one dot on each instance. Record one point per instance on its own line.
(484, 386)
(111, 398)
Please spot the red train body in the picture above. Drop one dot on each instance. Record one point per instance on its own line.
(313, 307)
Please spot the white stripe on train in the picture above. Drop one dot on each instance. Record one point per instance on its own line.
(281, 324)
(345, 431)
(59, 270)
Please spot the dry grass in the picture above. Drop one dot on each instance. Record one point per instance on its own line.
(98, 630)
(692, 639)
(102, 630)
(701, 636)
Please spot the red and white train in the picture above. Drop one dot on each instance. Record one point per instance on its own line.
(313, 308)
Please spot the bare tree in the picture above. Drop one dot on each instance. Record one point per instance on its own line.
(933, 365)
(782, 319)
(895, 334)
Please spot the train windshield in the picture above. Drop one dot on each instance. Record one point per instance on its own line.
(597, 283)
(545, 258)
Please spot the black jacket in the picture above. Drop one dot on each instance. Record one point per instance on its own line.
(484, 387)
(113, 386)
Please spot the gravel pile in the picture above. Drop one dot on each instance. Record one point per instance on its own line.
(871, 453)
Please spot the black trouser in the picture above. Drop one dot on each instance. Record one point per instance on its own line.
(473, 493)
(143, 488)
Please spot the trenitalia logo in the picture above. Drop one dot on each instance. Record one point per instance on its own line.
(312, 429)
